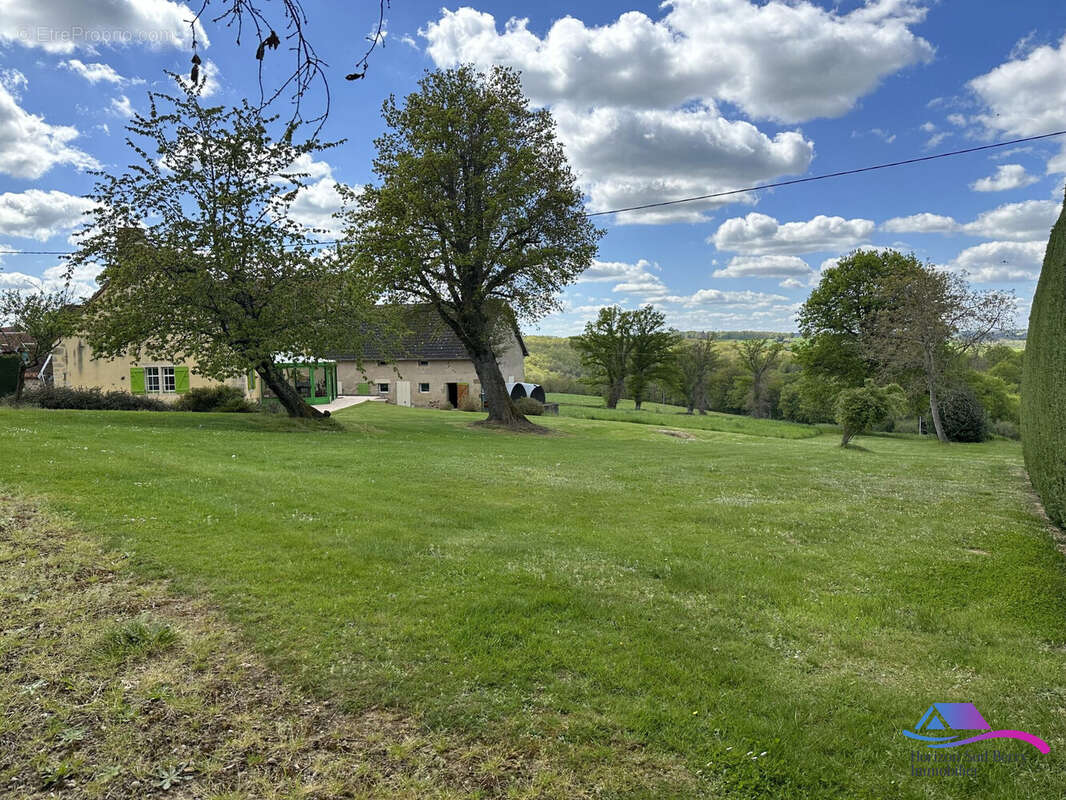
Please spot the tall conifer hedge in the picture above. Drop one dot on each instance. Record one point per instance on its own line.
(1044, 380)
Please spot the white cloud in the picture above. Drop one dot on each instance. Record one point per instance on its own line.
(626, 158)
(1026, 96)
(40, 215)
(121, 107)
(96, 72)
(759, 234)
(637, 100)
(1008, 176)
(19, 280)
(316, 203)
(921, 223)
(768, 266)
(1027, 221)
(64, 26)
(1001, 262)
(785, 61)
(1022, 222)
(29, 146)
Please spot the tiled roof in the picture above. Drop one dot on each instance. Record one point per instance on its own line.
(427, 338)
(13, 340)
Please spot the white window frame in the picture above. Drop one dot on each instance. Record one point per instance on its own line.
(153, 374)
(383, 390)
(423, 391)
(160, 379)
(423, 363)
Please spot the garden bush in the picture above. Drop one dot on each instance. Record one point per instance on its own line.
(91, 399)
(859, 410)
(529, 407)
(214, 398)
(962, 415)
(1008, 430)
(470, 403)
(1044, 380)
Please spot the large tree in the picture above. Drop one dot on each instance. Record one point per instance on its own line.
(758, 357)
(839, 311)
(200, 256)
(605, 347)
(477, 213)
(653, 352)
(696, 360)
(930, 319)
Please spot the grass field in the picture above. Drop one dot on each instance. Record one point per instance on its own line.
(733, 615)
(592, 407)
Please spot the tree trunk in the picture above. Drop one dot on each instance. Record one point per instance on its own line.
(614, 393)
(500, 406)
(286, 393)
(934, 412)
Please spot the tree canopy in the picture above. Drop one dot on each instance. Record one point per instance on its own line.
(476, 212)
(200, 256)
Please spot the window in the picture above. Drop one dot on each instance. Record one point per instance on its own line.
(383, 388)
(159, 380)
(383, 363)
(423, 363)
(423, 388)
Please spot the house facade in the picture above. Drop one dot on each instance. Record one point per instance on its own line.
(429, 366)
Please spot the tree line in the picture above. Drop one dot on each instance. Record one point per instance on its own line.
(884, 337)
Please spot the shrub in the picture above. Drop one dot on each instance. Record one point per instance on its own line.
(214, 398)
(470, 403)
(962, 415)
(1008, 430)
(1044, 380)
(810, 399)
(91, 399)
(859, 410)
(529, 407)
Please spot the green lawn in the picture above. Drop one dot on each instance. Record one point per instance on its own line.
(582, 406)
(729, 615)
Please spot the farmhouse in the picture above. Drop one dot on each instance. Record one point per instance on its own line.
(427, 367)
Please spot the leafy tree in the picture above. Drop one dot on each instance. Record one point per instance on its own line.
(810, 398)
(652, 353)
(46, 316)
(1005, 362)
(932, 318)
(860, 409)
(839, 311)
(1044, 379)
(995, 395)
(758, 357)
(696, 360)
(605, 348)
(477, 212)
(219, 272)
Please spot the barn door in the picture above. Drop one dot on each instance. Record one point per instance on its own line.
(403, 393)
(462, 390)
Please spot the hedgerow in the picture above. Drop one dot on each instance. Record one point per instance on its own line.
(1044, 380)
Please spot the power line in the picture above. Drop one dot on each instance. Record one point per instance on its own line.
(812, 178)
(728, 193)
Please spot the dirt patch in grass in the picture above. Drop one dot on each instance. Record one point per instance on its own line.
(113, 687)
(675, 434)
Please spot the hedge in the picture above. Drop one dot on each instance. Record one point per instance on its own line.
(1044, 380)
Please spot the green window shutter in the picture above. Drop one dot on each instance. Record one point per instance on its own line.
(181, 380)
(251, 380)
(362, 389)
(137, 380)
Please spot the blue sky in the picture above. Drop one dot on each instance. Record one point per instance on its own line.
(652, 103)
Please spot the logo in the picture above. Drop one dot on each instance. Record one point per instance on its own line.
(947, 720)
